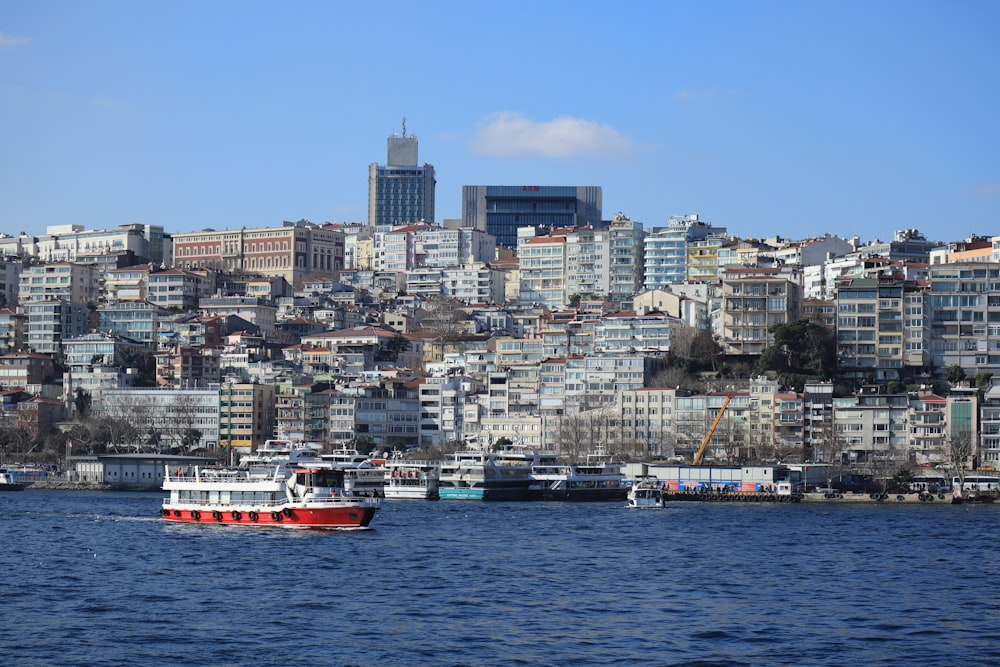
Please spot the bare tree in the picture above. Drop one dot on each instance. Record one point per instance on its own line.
(572, 432)
(120, 421)
(442, 317)
(961, 455)
(15, 441)
(682, 340)
(183, 420)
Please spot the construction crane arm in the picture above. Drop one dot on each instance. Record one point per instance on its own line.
(711, 430)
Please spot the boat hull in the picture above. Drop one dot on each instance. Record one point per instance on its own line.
(289, 516)
(883, 498)
(410, 493)
(582, 495)
(483, 493)
(14, 486)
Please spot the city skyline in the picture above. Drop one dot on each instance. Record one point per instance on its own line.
(767, 118)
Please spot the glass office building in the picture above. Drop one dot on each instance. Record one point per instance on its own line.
(499, 210)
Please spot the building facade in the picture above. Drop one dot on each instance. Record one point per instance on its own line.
(753, 300)
(401, 191)
(500, 210)
(292, 251)
(246, 415)
(182, 419)
(61, 280)
(965, 316)
(51, 321)
(543, 271)
(686, 247)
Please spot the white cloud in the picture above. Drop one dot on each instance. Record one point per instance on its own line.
(508, 133)
(988, 189)
(11, 41)
(688, 95)
(107, 103)
(691, 95)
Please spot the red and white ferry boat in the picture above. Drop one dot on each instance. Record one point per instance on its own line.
(287, 495)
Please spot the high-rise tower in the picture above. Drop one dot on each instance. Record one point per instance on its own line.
(400, 192)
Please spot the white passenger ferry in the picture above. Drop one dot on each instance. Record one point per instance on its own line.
(411, 480)
(286, 495)
(366, 475)
(599, 478)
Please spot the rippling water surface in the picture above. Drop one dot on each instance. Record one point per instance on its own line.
(99, 579)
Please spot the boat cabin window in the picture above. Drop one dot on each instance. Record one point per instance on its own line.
(322, 478)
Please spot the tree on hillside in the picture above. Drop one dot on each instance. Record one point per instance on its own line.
(800, 347)
(392, 349)
(705, 351)
(692, 352)
(954, 374)
(694, 349)
(82, 401)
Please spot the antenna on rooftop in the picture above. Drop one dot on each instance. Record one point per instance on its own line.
(404, 126)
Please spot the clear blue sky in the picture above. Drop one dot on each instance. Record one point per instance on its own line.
(766, 117)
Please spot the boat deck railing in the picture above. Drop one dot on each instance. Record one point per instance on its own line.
(221, 475)
(334, 501)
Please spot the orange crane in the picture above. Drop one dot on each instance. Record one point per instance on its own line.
(711, 430)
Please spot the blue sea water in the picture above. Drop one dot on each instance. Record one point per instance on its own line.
(98, 579)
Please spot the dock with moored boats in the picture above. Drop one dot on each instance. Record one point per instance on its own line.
(834, 497)
(725, 496)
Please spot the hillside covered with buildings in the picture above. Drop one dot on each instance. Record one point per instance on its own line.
(534, 317)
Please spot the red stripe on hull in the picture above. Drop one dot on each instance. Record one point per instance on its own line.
(308, 517)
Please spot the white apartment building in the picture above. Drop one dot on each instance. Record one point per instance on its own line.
(168, 412)
(872, 430)
(470, 284)
(587, 258)
(474, 284)
(127, 284)
(685, 248)
(178, 289)
(965, 316)
(446, 248)
(625, 264)
(543, 263)
(72, 243)
(753, 300)
(50, 321)
(62, 280)
(443, 403)
(628, 334)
